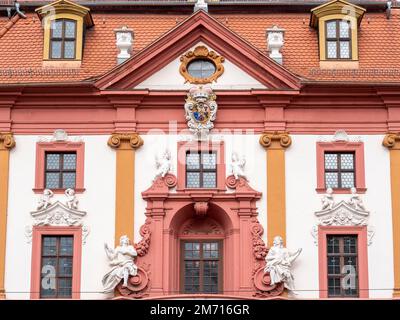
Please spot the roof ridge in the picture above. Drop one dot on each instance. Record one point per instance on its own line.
(11, 22)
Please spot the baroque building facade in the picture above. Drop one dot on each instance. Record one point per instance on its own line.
(197, 149)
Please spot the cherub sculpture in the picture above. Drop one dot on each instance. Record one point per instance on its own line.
(327, 200)
(72, 201)
(238, 166)
(278, 263)
(163, 165)
(122, 263)
(44, 200)
(355, 200)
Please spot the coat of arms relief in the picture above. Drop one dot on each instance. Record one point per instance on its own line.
(201, 110)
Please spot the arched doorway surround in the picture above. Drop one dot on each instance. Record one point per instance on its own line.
(174, 216)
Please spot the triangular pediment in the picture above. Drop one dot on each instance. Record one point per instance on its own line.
(254, 67)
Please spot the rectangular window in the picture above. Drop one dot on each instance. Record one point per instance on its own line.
(339, 170)
(56, 266)
(342, 258)
(201, 169)
(202, 265)
(63, 39)
(60, 170)
(338, 39)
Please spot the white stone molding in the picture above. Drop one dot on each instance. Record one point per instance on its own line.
(124, 37)
(349, 212)
(339, 136)
(60, 135)
(58, 214)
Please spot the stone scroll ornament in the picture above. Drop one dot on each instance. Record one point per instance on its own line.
(126, 278)
(200, 110)
(262, 282)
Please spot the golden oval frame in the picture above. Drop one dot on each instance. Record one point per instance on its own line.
(201, 52)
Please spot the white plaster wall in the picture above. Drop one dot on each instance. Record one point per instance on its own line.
(98, 201)
(169, 77)
(302, 201)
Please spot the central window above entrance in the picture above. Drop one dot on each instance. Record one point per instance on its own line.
(201, 264)
(201, 169)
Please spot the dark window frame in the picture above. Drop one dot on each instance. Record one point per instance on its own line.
(342, 255)
(63, 39)
(57, 257)
(61, 169)
(201, 170)
(201, 267)
(338, 40)
(339, 170)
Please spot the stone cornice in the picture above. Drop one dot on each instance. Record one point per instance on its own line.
(125, 141)
(7, 141)
(392, 141)
(273, 140)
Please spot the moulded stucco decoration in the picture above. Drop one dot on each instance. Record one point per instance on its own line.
(201, 110)
(58, 136)
(57, 214)
(351, 212)
(279, 262)
(237, 166)
(339, 136)
(163, 164)
(122, 261)
(127, 277)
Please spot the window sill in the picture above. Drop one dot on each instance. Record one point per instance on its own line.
(342, 191)
(63, 64)
(338, 64)
(59, 191)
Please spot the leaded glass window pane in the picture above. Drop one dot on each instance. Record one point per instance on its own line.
(332, 49)
(193, 179)
(209, 179)
(193, 161)
(69, 161)
(69, 49)
(201, 68)
(56, 49)
(347, 180)
(69, 180)
(52, 180)
(56, 28)
(344, 49)
(331, 29)
(331, 180)
(209, 160)
(331, 161)
(70, 29)
(347, 161)
(344, 29)
(52, 161)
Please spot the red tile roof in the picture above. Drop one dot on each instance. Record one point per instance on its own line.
(21, 47)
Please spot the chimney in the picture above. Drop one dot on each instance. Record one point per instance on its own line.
(124, 37)
(201, 5)
(275, 43)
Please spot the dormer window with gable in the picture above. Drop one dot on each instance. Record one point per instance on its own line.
(64, 24)
(337, 23)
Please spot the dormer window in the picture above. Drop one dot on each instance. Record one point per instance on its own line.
(63, 39)
(64, 24)
(337, 23)
(338, 39)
